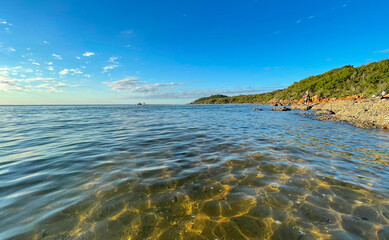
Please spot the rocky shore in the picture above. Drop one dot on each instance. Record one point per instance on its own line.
(364, 113)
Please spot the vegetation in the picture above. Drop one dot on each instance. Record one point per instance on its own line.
(341, 82)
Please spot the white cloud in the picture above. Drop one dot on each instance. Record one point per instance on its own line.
(78, 57)
(76, 71)
(50, 68)
(133, 85)
(56, 56)
(11, 49)
(88, 54)
(299, 21)
(49, 63)
(70, 71)
(64, 71)
(113, 59)
(109, 67)
(310, 17)
(3, 21)
(382, 51)
(35, 63)
(45, 42)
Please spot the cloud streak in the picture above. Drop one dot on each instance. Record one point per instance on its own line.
(56, 56)
(198, 93)
(8, 83)
(382, 51)
(133, 85)
(137, 89)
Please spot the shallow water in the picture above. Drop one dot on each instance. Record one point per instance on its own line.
(188, 172)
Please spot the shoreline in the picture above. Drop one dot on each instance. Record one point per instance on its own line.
(359, 112)
(364, 113)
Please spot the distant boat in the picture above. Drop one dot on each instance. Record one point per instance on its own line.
(140, 104)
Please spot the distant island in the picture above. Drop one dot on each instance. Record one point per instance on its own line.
(346, 81)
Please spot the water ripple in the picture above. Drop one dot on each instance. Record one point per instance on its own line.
(188, 172)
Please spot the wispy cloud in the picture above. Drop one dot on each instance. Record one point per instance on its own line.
(382, 51)
(133, 85)
(56, 56)
(310, 17)
(45, 42)
(128, 31)
(11, 49)
(48, 87)
(71, 71)
(8, 83)
(109, 67)
(88, 54)
(198, 93)
(113, 59)
(299, 21)
(6, 25)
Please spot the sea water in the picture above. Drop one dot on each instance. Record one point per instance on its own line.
(188, 172)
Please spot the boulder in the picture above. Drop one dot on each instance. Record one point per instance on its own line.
(301, 107)
(280, 109)
(257, 109)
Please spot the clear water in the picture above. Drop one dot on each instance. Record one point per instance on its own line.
(188, 172)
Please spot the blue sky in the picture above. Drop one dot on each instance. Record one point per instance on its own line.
(92, 52)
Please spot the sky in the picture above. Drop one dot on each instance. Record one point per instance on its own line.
(173, 52)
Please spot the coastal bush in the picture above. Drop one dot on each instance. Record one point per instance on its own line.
(365, 80)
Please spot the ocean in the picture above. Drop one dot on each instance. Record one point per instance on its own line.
(189, 172)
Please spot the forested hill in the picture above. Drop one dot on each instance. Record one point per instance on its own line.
(340, 82)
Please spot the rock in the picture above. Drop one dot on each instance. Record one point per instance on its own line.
(368, 213)
(301, 107)
(280, 109)
(359, 227)
(324, 112)
(365, 113)
(257, 109)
